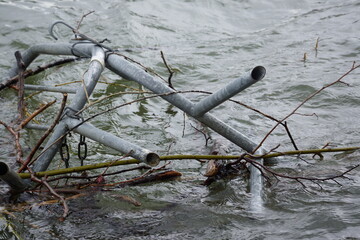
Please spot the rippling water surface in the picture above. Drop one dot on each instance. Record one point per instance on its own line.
(210, 43)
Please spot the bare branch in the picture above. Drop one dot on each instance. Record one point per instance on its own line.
(171, 72)
(300, 178)
(16, 135)
(82, 18)
(21, 103)
(306, 100)
(46, 134)
(206, 136)
(53, 192)
(34, 114)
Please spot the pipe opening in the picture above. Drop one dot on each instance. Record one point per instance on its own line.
(258, 73)
(3, 168)
(152, 159)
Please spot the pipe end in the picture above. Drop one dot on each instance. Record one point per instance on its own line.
(3, 168)
(258, 73)
(152, 159)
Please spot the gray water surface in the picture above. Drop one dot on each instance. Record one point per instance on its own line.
(210, 43)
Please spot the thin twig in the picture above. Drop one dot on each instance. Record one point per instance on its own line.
(82, 18)
(306, 100)
(300, 178)
(16, 135)
(290, 136)
(34, 114)
(146, 69)
(46, 134)
(106, 169)
(206, 136)
(21, 68)
(97, 175)
(171, 72)
(53, 192)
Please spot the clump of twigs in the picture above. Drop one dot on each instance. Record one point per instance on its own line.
(240, 167)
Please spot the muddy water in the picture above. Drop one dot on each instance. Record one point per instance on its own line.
(210, 43)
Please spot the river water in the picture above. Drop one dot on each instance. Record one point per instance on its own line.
(209, 43)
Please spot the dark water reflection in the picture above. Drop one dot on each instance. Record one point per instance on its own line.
(210, 42)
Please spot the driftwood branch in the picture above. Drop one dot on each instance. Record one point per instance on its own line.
(160, 176)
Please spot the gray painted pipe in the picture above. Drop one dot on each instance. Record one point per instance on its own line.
(230, 90)
(131, 72)
(37, 126)
(11, 178)
(112, 141)
(91, 77)
(82, 49)
(50, 149)
(49, 88)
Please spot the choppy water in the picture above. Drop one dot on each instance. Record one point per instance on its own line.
(211, 43)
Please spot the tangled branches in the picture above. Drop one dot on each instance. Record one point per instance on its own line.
(219, 169)
(240, 166)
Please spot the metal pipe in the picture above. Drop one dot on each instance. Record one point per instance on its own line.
(234, 87)
(49, 88)
(129, 71)
(82, 49)
(91, 77)
(11, 178)
(112, 141)
(36, 126)
(96, 66)
(50, 149)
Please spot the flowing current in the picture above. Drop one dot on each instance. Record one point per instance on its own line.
(304, 45)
